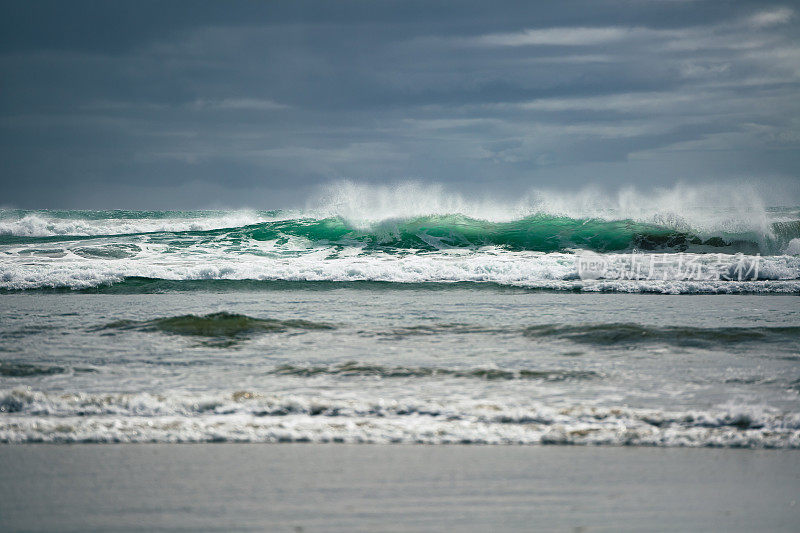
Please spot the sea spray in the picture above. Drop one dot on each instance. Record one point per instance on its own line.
(414, 233)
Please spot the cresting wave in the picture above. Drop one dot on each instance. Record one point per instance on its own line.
(414, 215)
(243, 416)
(414, 234)
(540, 232)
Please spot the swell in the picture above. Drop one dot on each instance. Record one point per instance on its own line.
(27, 370)
(232, 327)
(630, 333)
(224, 325)
(19, 370)
(360, 369)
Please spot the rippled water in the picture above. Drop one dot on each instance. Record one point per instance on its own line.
(360, 362)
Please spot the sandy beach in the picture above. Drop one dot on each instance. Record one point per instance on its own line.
(310, 487)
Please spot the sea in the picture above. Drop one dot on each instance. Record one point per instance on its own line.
(405, 316)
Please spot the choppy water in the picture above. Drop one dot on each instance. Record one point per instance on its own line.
(324, 325)
(130, 251)
(365, 363)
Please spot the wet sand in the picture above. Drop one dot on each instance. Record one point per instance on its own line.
(311, 487)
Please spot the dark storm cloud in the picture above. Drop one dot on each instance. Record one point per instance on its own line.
(178, 104)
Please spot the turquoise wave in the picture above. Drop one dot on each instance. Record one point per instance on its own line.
(542, 233)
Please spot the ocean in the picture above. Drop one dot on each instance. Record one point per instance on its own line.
(452, 324)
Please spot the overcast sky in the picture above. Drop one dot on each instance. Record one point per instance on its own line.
(144, 104)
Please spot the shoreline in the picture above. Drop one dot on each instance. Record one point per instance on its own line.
(345, 487)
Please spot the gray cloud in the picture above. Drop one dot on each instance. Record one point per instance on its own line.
(248, 103)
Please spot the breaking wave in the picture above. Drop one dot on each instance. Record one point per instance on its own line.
(412, 234)
(243, 416)
(414, 215)
(19, 225)
(215, 270)
(541, 233)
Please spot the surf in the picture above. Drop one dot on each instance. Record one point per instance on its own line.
(540, 232)
(415, 233)
(417, 216)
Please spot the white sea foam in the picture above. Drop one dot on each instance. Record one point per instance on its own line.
(183, 417)
(704, 209)
(42, 225)
(110, 259)
(24, 267)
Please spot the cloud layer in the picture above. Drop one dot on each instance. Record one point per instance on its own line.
(107, 104)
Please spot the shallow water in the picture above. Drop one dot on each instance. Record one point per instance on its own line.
(344, 488)
(357, 362)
